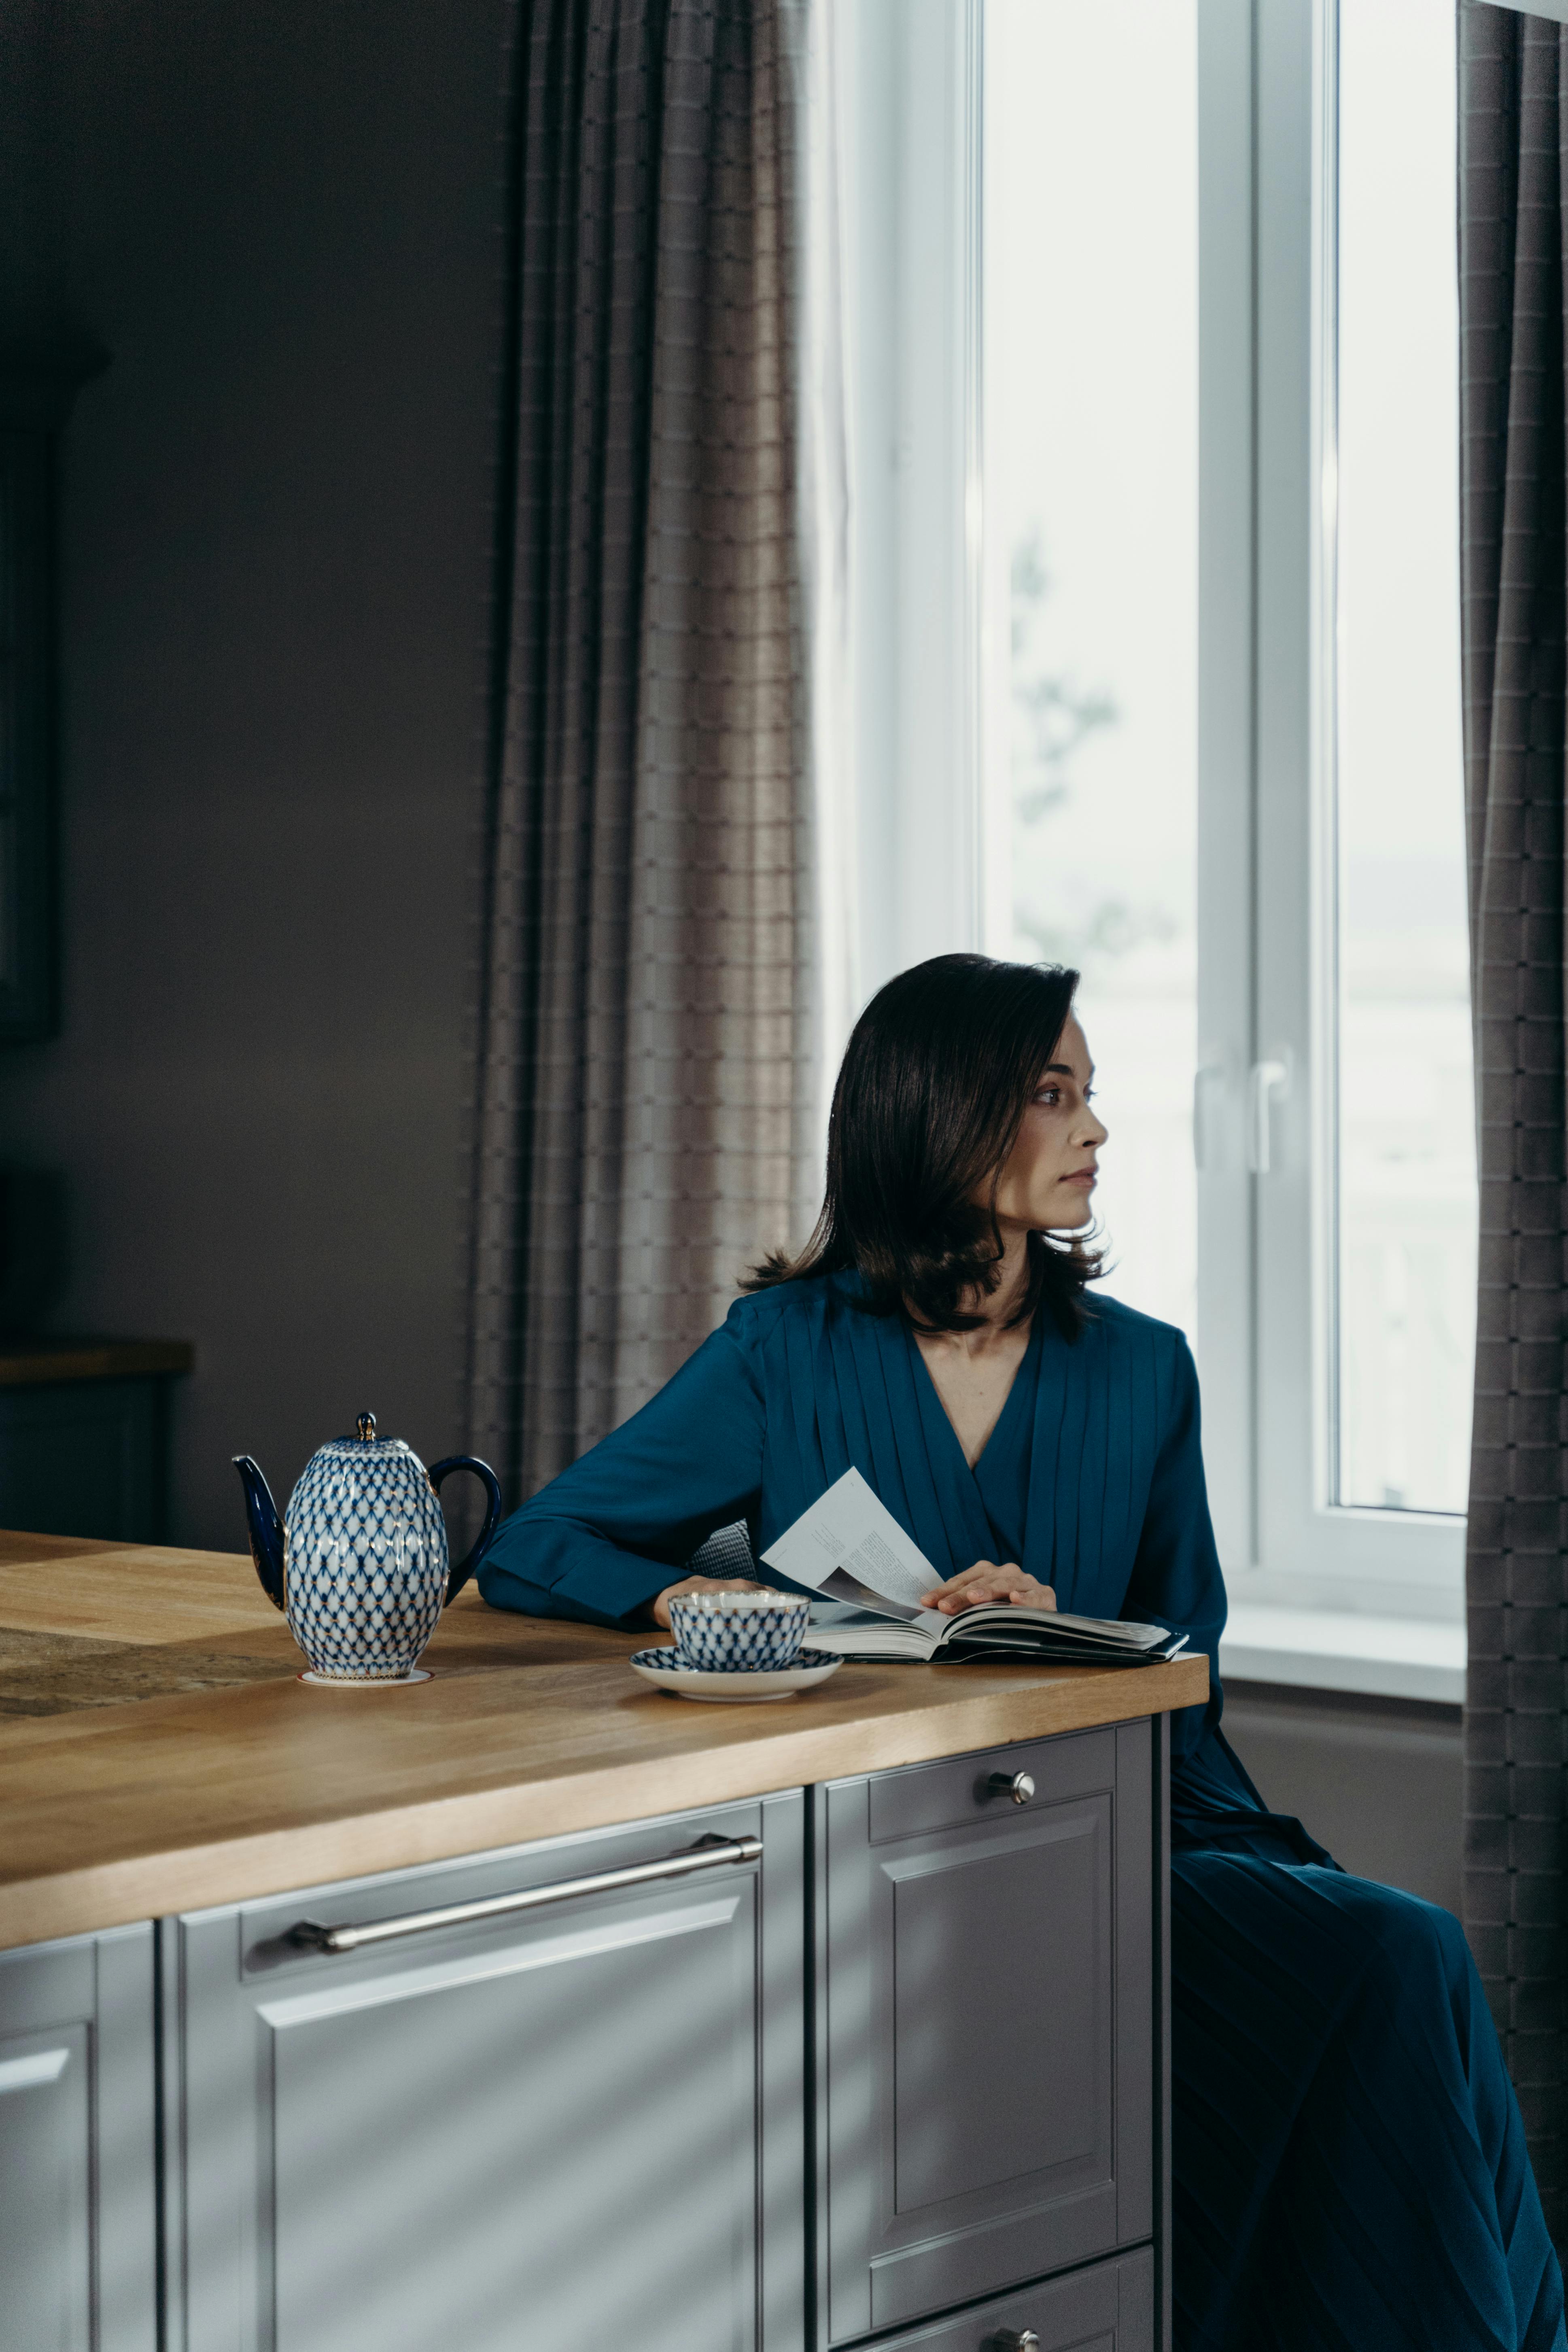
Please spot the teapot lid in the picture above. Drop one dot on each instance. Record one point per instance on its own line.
(361, 1441)
(361, 1445)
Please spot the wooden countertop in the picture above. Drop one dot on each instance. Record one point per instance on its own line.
(158, 1753)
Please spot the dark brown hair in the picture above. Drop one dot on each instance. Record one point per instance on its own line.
(936, 1079)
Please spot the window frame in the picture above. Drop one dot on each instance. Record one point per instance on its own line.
(910, 829)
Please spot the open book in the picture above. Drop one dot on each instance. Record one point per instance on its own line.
(869, 1575)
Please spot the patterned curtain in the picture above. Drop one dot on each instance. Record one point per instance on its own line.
(1513, 119)
(646, 1061)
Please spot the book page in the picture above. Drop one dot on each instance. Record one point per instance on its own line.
(848, 1538)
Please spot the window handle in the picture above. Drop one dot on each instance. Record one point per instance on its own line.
(1267, 1079)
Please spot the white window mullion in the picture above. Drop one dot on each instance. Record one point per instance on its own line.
(1225, 729)
(1286, 746)
(910, 70)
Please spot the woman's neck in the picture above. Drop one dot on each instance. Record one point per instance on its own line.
(999, 1306)
(973, 1371)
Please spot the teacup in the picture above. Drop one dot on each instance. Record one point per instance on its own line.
(739, 1632)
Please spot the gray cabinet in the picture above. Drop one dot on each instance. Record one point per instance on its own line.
(573, 2124)
(989, 2101)
(884, 2059)
(84, 1458)
(78, 2145)
(84, 1436)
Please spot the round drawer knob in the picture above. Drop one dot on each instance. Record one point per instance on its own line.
(1011, 2339)
(1020, 1787)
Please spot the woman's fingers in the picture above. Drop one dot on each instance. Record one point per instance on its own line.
(985, 1581)
(1024, 1594)
(958, 1583)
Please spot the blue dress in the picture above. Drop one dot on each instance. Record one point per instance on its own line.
(1349, 2164)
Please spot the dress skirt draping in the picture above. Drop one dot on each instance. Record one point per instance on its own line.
(1349, 2161)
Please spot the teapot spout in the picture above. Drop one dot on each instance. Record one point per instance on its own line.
(266, 1528)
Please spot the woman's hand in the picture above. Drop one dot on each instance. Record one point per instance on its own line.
(987, 1581)
(659, 1608)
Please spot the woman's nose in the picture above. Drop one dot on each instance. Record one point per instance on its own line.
(1095, 1131)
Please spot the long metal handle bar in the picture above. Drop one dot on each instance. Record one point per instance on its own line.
(709, 1853)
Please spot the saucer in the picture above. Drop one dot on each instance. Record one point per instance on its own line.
(382, 1681)
(744, 1686)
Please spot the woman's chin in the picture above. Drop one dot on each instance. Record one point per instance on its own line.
(1071, 1213)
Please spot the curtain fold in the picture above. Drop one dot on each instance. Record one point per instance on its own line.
(1513, 125)
(645, 1082)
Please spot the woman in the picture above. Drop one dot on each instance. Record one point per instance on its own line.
(1350, 2163)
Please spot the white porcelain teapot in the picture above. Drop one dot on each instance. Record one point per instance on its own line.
(359, 1563)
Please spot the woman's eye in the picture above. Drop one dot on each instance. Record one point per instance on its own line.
(1049, 1095)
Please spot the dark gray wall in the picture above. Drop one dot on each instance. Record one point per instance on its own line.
(282, 220)
(1376, 1780)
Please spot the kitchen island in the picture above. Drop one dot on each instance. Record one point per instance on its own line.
(529, 2008)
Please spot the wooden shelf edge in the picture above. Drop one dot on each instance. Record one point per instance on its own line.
(36, 1363)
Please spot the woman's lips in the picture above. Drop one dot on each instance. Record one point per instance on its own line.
(1086, 1177)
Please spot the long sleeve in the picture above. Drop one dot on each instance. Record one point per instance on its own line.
(1177, 1577)
(600, 1541)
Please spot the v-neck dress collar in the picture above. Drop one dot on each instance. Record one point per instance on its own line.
(1002, 1472)
(994, 1495)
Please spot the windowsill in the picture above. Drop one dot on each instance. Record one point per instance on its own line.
(1329, 1649)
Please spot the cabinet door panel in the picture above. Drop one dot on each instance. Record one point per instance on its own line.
(46, 2164)
(984, 1975)
(490, 2122)
(974, 2106)
(512, 2135)
(78, 2241)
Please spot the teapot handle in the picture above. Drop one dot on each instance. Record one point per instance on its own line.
(465, 1568)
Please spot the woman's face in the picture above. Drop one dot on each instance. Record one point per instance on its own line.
(1047, 1178)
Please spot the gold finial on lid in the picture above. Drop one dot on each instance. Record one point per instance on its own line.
(367, 1427)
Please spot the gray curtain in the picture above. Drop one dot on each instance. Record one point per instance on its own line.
(646, 1067)
(1513, 122)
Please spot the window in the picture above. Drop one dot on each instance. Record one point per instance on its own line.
(1151, 334)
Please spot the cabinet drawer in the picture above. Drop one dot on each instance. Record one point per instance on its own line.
(960, 1788)
(1109, 2308)
(539, 2126)
(986, 1995)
